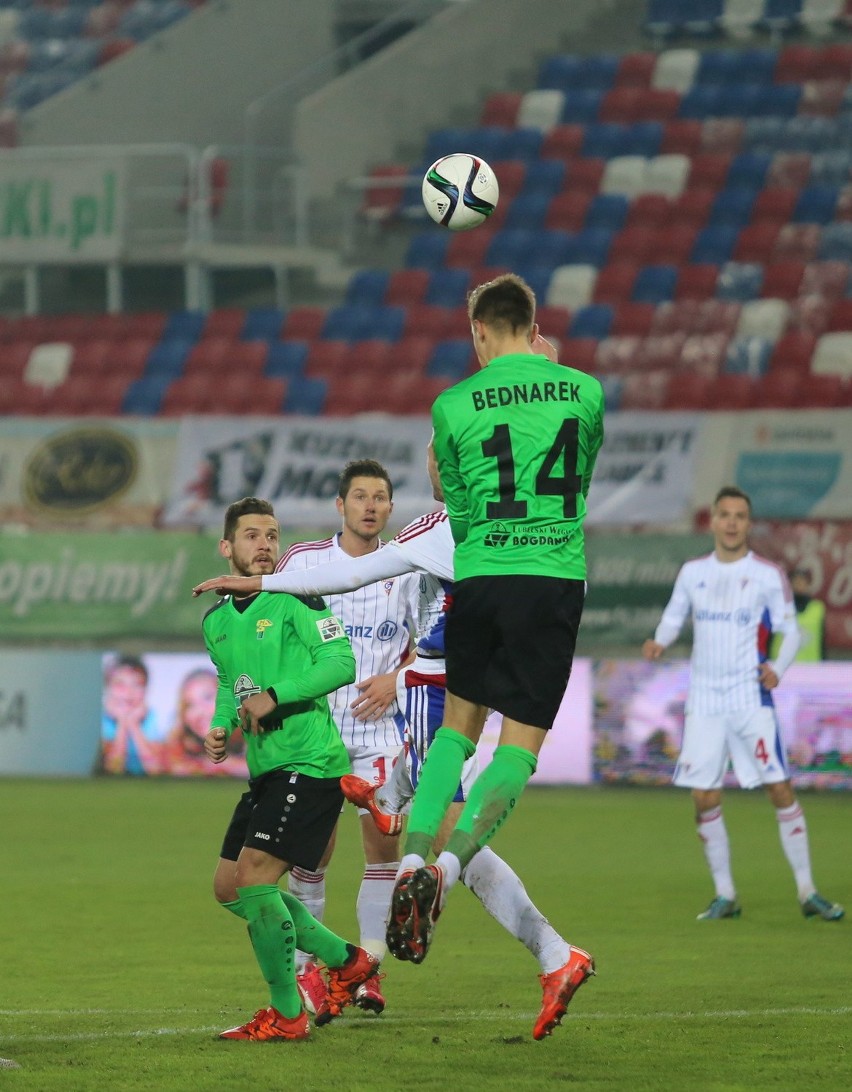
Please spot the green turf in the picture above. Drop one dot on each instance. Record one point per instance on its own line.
(117, 968)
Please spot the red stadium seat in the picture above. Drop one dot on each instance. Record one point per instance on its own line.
(644, 390)
(704, 354)
(681, 137)
(755, 242)
(633, 319)
(617, 355)
(567, 211)
(822, 98)
(793, 352)
(660, 351)
(552, 321)
(615, 282)
(585, 174)
(732, 392)
(709, 170)
(511, 173)
(657, 104)
(673, 316)
(825, 392)
(92, 356)
(211, 355)
(650, 210)
(696, 282)
(840, 316)
(563, 142)
(809, 314)
(437, 323)
(467, 248)
(782, 279)
(371, 357)
(675, 244)
(835, 62)
(717, 317)
(781, 388)
(326, 359)
(722, 135)
(686, 391)
(636, 69)
(406, 287)
(619, 106)
(789, 170)
(797, 63)
(774, 205)
(579, 353)
(828, 279)
(147, 325)
(799, 241)
(411, 353)
(693, 206)
(225, 322)
(383, 200)
(501, 108)
(303, 323)
(636, 245)
(13, 359)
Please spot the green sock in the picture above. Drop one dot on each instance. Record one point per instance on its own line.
(313, 937)
(273, 937)
(236, 907)
(436, 787)
(492, 797)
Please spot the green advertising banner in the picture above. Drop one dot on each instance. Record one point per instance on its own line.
(98, 587)
(630, 581)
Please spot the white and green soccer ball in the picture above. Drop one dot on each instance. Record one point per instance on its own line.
(460, 191)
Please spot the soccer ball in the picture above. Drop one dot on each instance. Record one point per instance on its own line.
(460, 191)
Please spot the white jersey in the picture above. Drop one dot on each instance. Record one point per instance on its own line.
(378, 620)
(735, 607)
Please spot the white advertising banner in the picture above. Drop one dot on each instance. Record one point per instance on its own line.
(792, 465)
(61, 211)
(90, 473)
(295, 463)
(645, 469)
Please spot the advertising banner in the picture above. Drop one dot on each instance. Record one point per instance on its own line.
(49, 712)
(62, 211)
(793, 465)
(157, 709)
(644, 472)
(86, 472)
(639, 712)
(295, 463)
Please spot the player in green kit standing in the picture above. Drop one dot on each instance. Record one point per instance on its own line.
(516, 444)
(277, 657)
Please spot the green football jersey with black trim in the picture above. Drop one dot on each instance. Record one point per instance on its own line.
(516, 444)
(295, 645)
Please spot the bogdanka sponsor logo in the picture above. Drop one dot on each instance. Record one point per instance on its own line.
(79, 470)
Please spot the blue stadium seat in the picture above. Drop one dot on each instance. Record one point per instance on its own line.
(732, 66)
(664, 18)
(831, 168)
(427, 250)
(344, 323)
(701, 101)
(509, 249)
(367, 287)
(447, 287)
(766, 135)
(836, 243)
(537, 276)
(739, 281)
(581, 107)
(701, 17)
(286, 359)
(519, 143)
(815, 205)
(732, 206)
(713, 246)
(607, 210)
(612, 385)
(591, 246)
(168, 358)
(776, 101)
(184, 325)
(595, 321)
(528, 211)
(562, 72)
(781, 15)
(262, 322)
(386, 323)
(450, 358)
(598, 70)
(654, 284)
(145, 396)
(305, 396)
(644, 138)
(545, 176)
(749, 169)
(604, 140)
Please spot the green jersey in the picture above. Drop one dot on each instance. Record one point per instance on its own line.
(516, 445)
(296, 646)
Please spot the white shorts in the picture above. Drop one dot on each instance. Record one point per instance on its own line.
(420, 690)
(374, 764)
(750, 738)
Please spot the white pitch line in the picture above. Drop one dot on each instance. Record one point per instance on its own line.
(457, 1018)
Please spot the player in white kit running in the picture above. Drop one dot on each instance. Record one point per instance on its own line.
(737, 600)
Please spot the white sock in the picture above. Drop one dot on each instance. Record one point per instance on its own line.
(451, 865)
(794, 841)
(505, 898)
(373, 906)
(309, 889)
(717, 851)
(410, 863)
(395, 793)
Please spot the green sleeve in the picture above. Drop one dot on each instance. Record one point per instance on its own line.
(452, 483)
(594, 448)
(225, 713)
(332, 659)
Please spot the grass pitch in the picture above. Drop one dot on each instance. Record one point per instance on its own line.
(117, 968)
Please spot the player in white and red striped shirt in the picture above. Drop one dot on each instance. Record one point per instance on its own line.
(736, 600)
(379, 620)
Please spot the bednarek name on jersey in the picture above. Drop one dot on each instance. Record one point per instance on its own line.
(492, 397)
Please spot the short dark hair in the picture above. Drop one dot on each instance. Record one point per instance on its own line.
(732, 491)
(248, 506)
(507, 302)
(134, 663)
(362, 468)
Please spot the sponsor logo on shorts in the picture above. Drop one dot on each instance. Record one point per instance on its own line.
(329, 629)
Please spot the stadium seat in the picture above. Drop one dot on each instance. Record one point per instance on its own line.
(262, 322)
(793, 351)
(305, 396)
(833, 355)
(800, 241)
(452, 359)
(732, 392)
(714, 245)
(826, 392)
(563, 142)
(567, 211)
(467, 249)
(739, 281)
(732, 207)
(681, 137)
(614, 283)
(372, 357)
(345, 323)
(815, 205)
(635, 69)
(502, 108)
(828, 279)
(527, 211)
(286, 359)
(746, 358)
(225, 322)
(213, 356)
(436, 323)
(654, 284)
(703, 354)
(383, 198)
(607, 210)
(326, 358)
(633, 319)
(167, 359)
(367, 288)
(184, 325)
(660, 352)
(543, 176)
(405, 287)
(594, 320)
(571, 286)
(447, 287)
(144, 396)
(782, 388)
(586, 175)
(755, 242)
(773, 205)
(427, 250)
(692, 207)
(835, 243)
(675, 69)
(686, 391)
(624, 174)
(411, 353)
(709, 170)
(782, 279)
(797, 63)
(616, 355)
(303, 323)
(541, 109)
(644, 390)
(765, 318)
